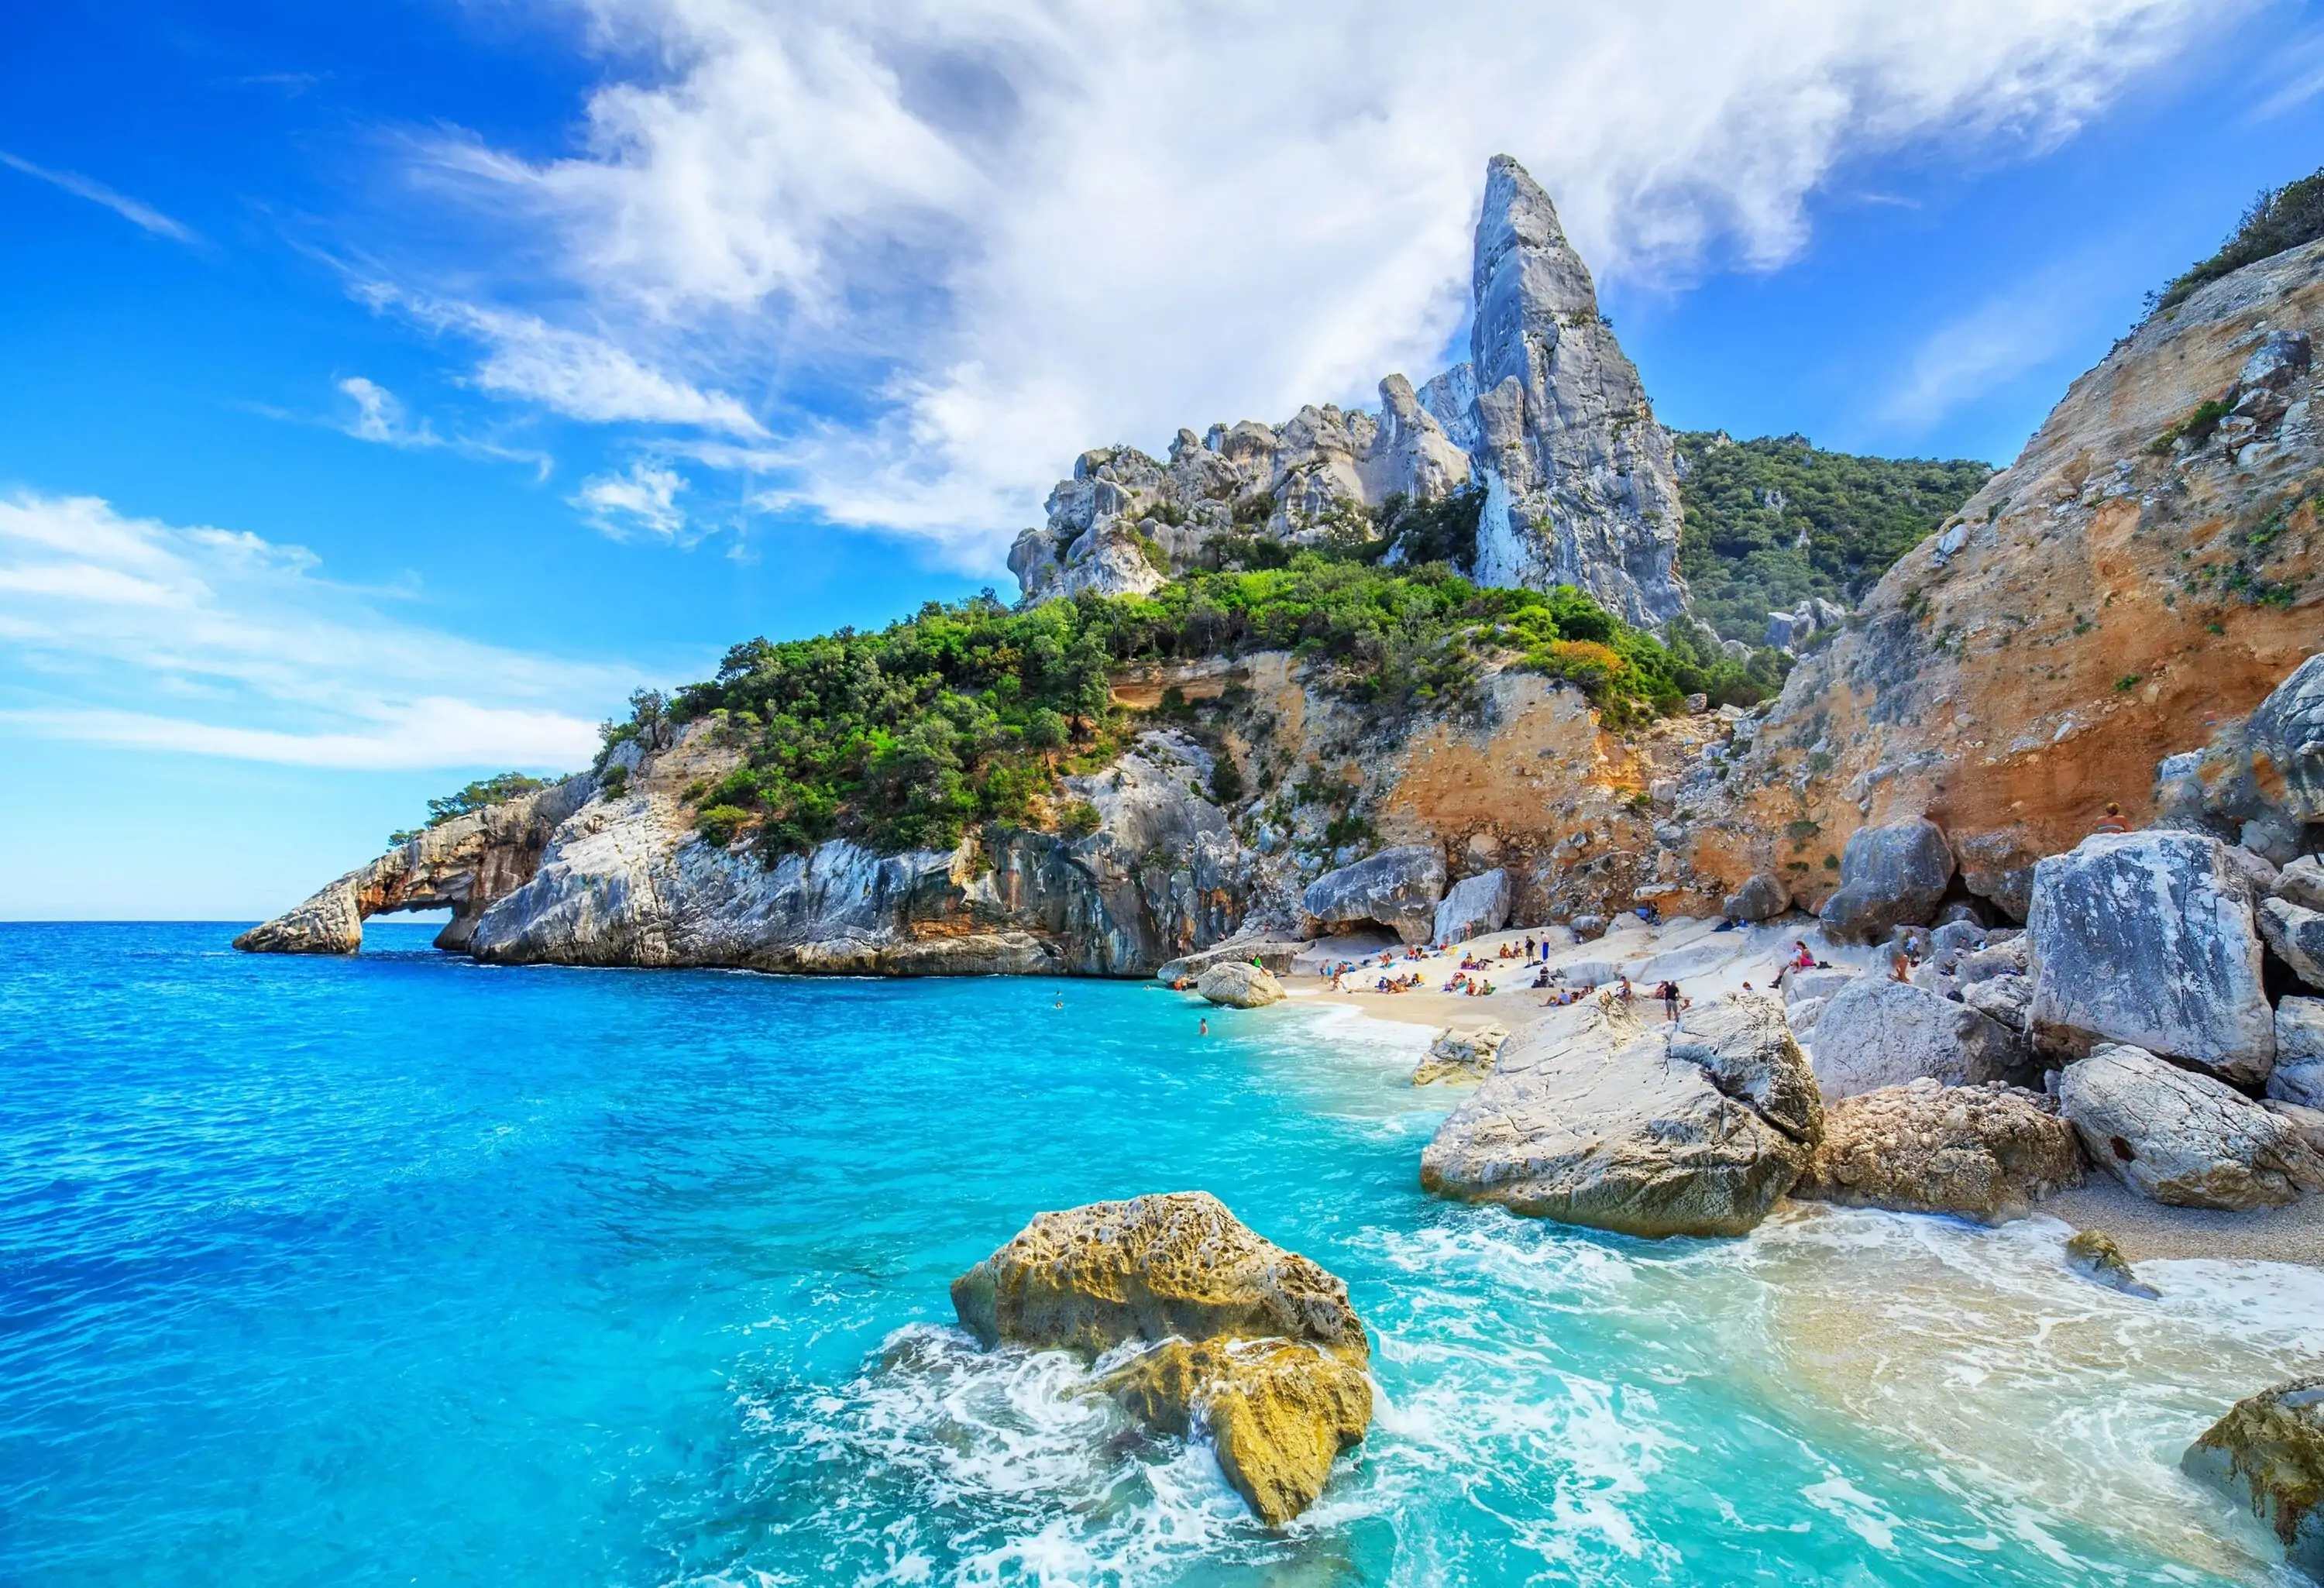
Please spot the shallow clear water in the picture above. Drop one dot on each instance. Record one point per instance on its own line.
(402, 1269)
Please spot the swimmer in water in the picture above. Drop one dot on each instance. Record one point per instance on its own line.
(1206, 1027)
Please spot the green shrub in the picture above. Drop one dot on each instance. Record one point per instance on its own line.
(1226, 779)
(2280, 218)
(1079, 819)
(719, 824)
(497, 789)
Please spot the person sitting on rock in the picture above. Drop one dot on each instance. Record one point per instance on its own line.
(2113, 821)
(1802, 960)
(1623, 993)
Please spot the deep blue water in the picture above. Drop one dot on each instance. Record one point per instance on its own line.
(397, 1269)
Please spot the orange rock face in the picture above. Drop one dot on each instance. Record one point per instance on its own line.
(2145, 573)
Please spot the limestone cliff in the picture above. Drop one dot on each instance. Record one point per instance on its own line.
(1548, 418)
(466, 864)
(2139, 579)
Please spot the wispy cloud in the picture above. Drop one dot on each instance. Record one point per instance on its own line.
(134, 211)
(577, 374)
(377, 415)
(945, 246)
(127, 631)
(2018, 329)
(641, 497)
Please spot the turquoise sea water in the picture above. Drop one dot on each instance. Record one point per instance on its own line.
(398, 1268)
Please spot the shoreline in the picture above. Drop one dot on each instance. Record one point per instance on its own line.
(2146, 1230)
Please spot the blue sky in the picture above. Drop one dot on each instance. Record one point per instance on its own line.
(384, 393)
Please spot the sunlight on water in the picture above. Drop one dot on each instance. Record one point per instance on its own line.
(401, 1269)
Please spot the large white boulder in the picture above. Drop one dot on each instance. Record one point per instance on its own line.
(1239, 985)
(1981, 1152)
(1599, 1116)
(1398, 888)
(1876, 1032)
(2183, 1138)
(2146, 939)
(1475, 906)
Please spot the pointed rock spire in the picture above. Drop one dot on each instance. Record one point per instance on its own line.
(1581, 488)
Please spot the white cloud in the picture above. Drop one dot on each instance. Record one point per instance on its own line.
(126, 631)
(379, 416)
(583, 376)
(954, 244)
(134, 211)
(644, 496)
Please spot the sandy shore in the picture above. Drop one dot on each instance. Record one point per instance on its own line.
(2144, 1230)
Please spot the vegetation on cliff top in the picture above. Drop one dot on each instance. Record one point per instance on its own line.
(492, 790)
(1772, 523)
(974, 712)
(2279, 219)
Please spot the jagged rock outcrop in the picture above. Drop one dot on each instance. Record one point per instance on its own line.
(1594, 1116)
(627, 881)
(466, 864)
(1460, 1056)
(1762, 897)
(1875, 1033)
(2268, 1452)
(1580, 486)
(1548, 416)
(2140, 575)
(1986, 1153)
(2183, 1137)
(2294, 936)
(1257, 1343)
(2147, 938)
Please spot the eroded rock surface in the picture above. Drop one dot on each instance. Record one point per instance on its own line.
(1472, 906)
(1986, 1153)
(2183, 1137)
(1889, 876)
(2093, 1254)
(2146, 939)
(467, 864)
(1596, 1116)
(1258, 1343)
(1397, 888)
(2268, 1452)
(1875, 1033)
(1460, 1056)
(1239, 985)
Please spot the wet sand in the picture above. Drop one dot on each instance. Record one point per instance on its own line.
(2144, 1228)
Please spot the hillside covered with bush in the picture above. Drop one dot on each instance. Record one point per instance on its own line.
(974, 712)
(1773, 522)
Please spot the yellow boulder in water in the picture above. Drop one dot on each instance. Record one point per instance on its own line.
(1253, 1343)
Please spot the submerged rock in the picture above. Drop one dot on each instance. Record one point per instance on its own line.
(1982, 1152)
(2093, 1254)
(2146, 939)
(1594, 1117)
(1460, 1056)
(2183, 1137)
(1876, 1032)
(1238, 986)
(2268, 1452)
(1257, 1343)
